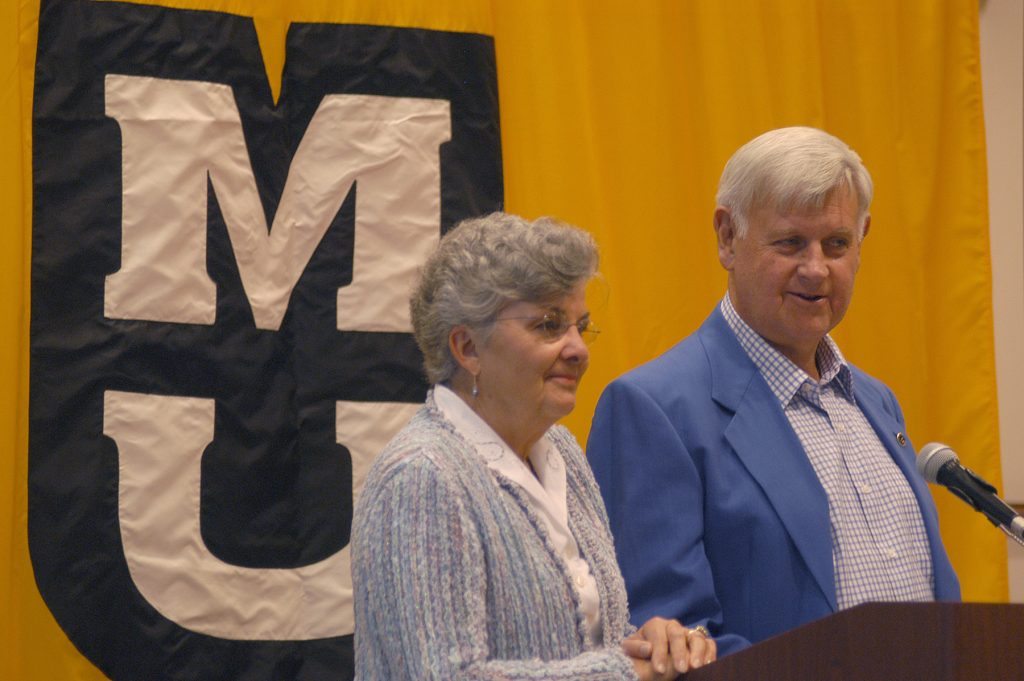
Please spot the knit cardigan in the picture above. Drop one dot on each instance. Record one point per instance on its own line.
(454, 574)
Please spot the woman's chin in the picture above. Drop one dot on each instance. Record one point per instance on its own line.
(562, 406)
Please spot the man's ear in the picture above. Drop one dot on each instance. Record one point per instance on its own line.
(863, 235)
(462, 342)
(725, 230)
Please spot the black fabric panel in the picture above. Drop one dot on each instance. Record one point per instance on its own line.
(275, 490)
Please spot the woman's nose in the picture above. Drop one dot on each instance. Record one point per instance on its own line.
(575, 347)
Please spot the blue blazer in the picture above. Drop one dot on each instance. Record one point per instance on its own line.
(717, 513)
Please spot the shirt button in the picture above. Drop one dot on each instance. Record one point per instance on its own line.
(865, 488)
(841, 428)
(891, 553)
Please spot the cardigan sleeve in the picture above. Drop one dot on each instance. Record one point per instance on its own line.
(585, 503)
(418, 573)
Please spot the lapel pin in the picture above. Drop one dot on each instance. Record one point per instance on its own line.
(901, 439)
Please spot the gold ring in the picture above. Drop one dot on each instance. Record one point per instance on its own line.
(699, 629)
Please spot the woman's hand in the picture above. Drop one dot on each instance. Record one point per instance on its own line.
(645, 671)
(662, 649)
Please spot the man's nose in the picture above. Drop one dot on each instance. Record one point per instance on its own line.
(814, 264)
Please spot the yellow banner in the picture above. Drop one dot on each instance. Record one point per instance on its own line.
(619, 117)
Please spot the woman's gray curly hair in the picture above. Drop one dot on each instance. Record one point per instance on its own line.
(482, 265)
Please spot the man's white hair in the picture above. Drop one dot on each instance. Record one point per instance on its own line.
(793, 170)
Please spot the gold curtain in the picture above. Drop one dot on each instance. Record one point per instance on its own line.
(618, 117)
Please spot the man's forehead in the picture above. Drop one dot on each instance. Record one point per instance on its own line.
(840, 200)
(846, 206)
(772, 222)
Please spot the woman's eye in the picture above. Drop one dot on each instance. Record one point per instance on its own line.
(550, 325)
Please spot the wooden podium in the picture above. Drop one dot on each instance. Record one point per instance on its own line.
(888, 642)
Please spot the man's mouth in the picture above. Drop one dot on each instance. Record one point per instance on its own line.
(809, 298)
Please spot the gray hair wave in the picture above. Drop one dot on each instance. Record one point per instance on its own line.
(485, 263)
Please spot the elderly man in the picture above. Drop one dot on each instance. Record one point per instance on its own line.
(755, 479)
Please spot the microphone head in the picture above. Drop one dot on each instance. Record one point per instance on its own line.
(932, 457)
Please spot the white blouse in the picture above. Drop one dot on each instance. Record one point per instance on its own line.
(546, 492)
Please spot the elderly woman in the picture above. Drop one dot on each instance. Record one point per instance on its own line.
(481, 548)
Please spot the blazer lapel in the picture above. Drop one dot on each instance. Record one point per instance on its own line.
(766, 444)
(888, 431)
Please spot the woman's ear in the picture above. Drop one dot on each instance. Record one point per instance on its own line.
(462, 342)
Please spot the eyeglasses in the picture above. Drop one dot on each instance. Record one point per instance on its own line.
(551, 326)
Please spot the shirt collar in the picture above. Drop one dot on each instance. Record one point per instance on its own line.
(547, 491)
(784, 378)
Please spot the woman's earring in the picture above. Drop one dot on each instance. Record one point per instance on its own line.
(476, 390)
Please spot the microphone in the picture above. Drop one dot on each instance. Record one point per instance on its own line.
(937, 463)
